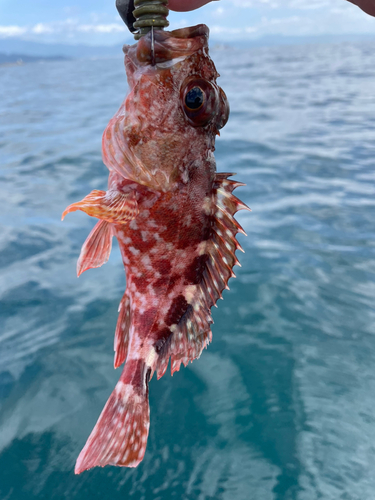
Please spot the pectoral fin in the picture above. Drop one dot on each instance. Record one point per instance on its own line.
(110, 206)
(97, 247)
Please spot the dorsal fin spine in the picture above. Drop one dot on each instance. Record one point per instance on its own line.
(221, 248)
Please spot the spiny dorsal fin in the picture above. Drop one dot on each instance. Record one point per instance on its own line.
(193, 332)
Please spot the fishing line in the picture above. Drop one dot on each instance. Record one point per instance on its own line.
(152, 46)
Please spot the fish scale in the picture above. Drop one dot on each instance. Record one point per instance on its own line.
(173, 216)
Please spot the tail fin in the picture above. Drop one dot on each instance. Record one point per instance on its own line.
(120, 434)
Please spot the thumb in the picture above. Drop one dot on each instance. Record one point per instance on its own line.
(186, 5)
(367, 6)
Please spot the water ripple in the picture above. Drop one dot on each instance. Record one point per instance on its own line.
(281, 405)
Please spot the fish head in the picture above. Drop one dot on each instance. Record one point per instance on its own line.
(169, 120)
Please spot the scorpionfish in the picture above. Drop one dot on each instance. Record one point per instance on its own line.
(173, 217)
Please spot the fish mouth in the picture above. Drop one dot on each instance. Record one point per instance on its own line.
(168, 45)
(191, 31)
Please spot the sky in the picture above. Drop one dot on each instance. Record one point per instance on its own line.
(96, 22)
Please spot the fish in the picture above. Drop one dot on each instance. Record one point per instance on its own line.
(173, 216)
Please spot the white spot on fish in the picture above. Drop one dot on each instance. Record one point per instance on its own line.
(190, 292)
(146, 261)
(207, 205)
(202, 248)
(151, 358)
(187, 220)
(134, 251)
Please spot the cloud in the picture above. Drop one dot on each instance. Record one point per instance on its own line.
(68, 26)
(219, 30)
(218, 12)
(255, 3)
(229, 20)
(101, 28)
(41, 29)
(8, 31)
(309, 4)
(265, 26)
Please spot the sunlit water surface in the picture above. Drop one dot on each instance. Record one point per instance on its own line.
(282, 404)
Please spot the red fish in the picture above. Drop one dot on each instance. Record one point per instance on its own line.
(172, 215)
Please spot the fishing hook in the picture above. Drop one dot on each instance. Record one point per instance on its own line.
(152, 46)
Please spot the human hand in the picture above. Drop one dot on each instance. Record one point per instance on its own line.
(367, 6)
(185, 5)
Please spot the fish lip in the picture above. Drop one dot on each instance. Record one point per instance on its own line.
(168, 45)
(191, 31)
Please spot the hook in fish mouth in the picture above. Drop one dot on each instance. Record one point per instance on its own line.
(152, 46)
(127, 10)
(159, 46)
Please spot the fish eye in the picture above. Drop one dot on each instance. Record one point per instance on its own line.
(200, 101)
(194, 99)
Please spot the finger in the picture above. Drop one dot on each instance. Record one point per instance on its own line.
(185, 5)
(367, 6)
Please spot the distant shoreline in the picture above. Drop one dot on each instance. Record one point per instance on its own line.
(17, 63)
(22, 59)
(18, 48)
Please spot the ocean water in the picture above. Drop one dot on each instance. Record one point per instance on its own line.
(282, 404)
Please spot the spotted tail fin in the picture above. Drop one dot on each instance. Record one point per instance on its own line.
(120, 434)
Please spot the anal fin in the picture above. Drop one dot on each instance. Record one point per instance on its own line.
(97, 247)
(122, 331)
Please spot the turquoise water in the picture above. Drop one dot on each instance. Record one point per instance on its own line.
(282, 404)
